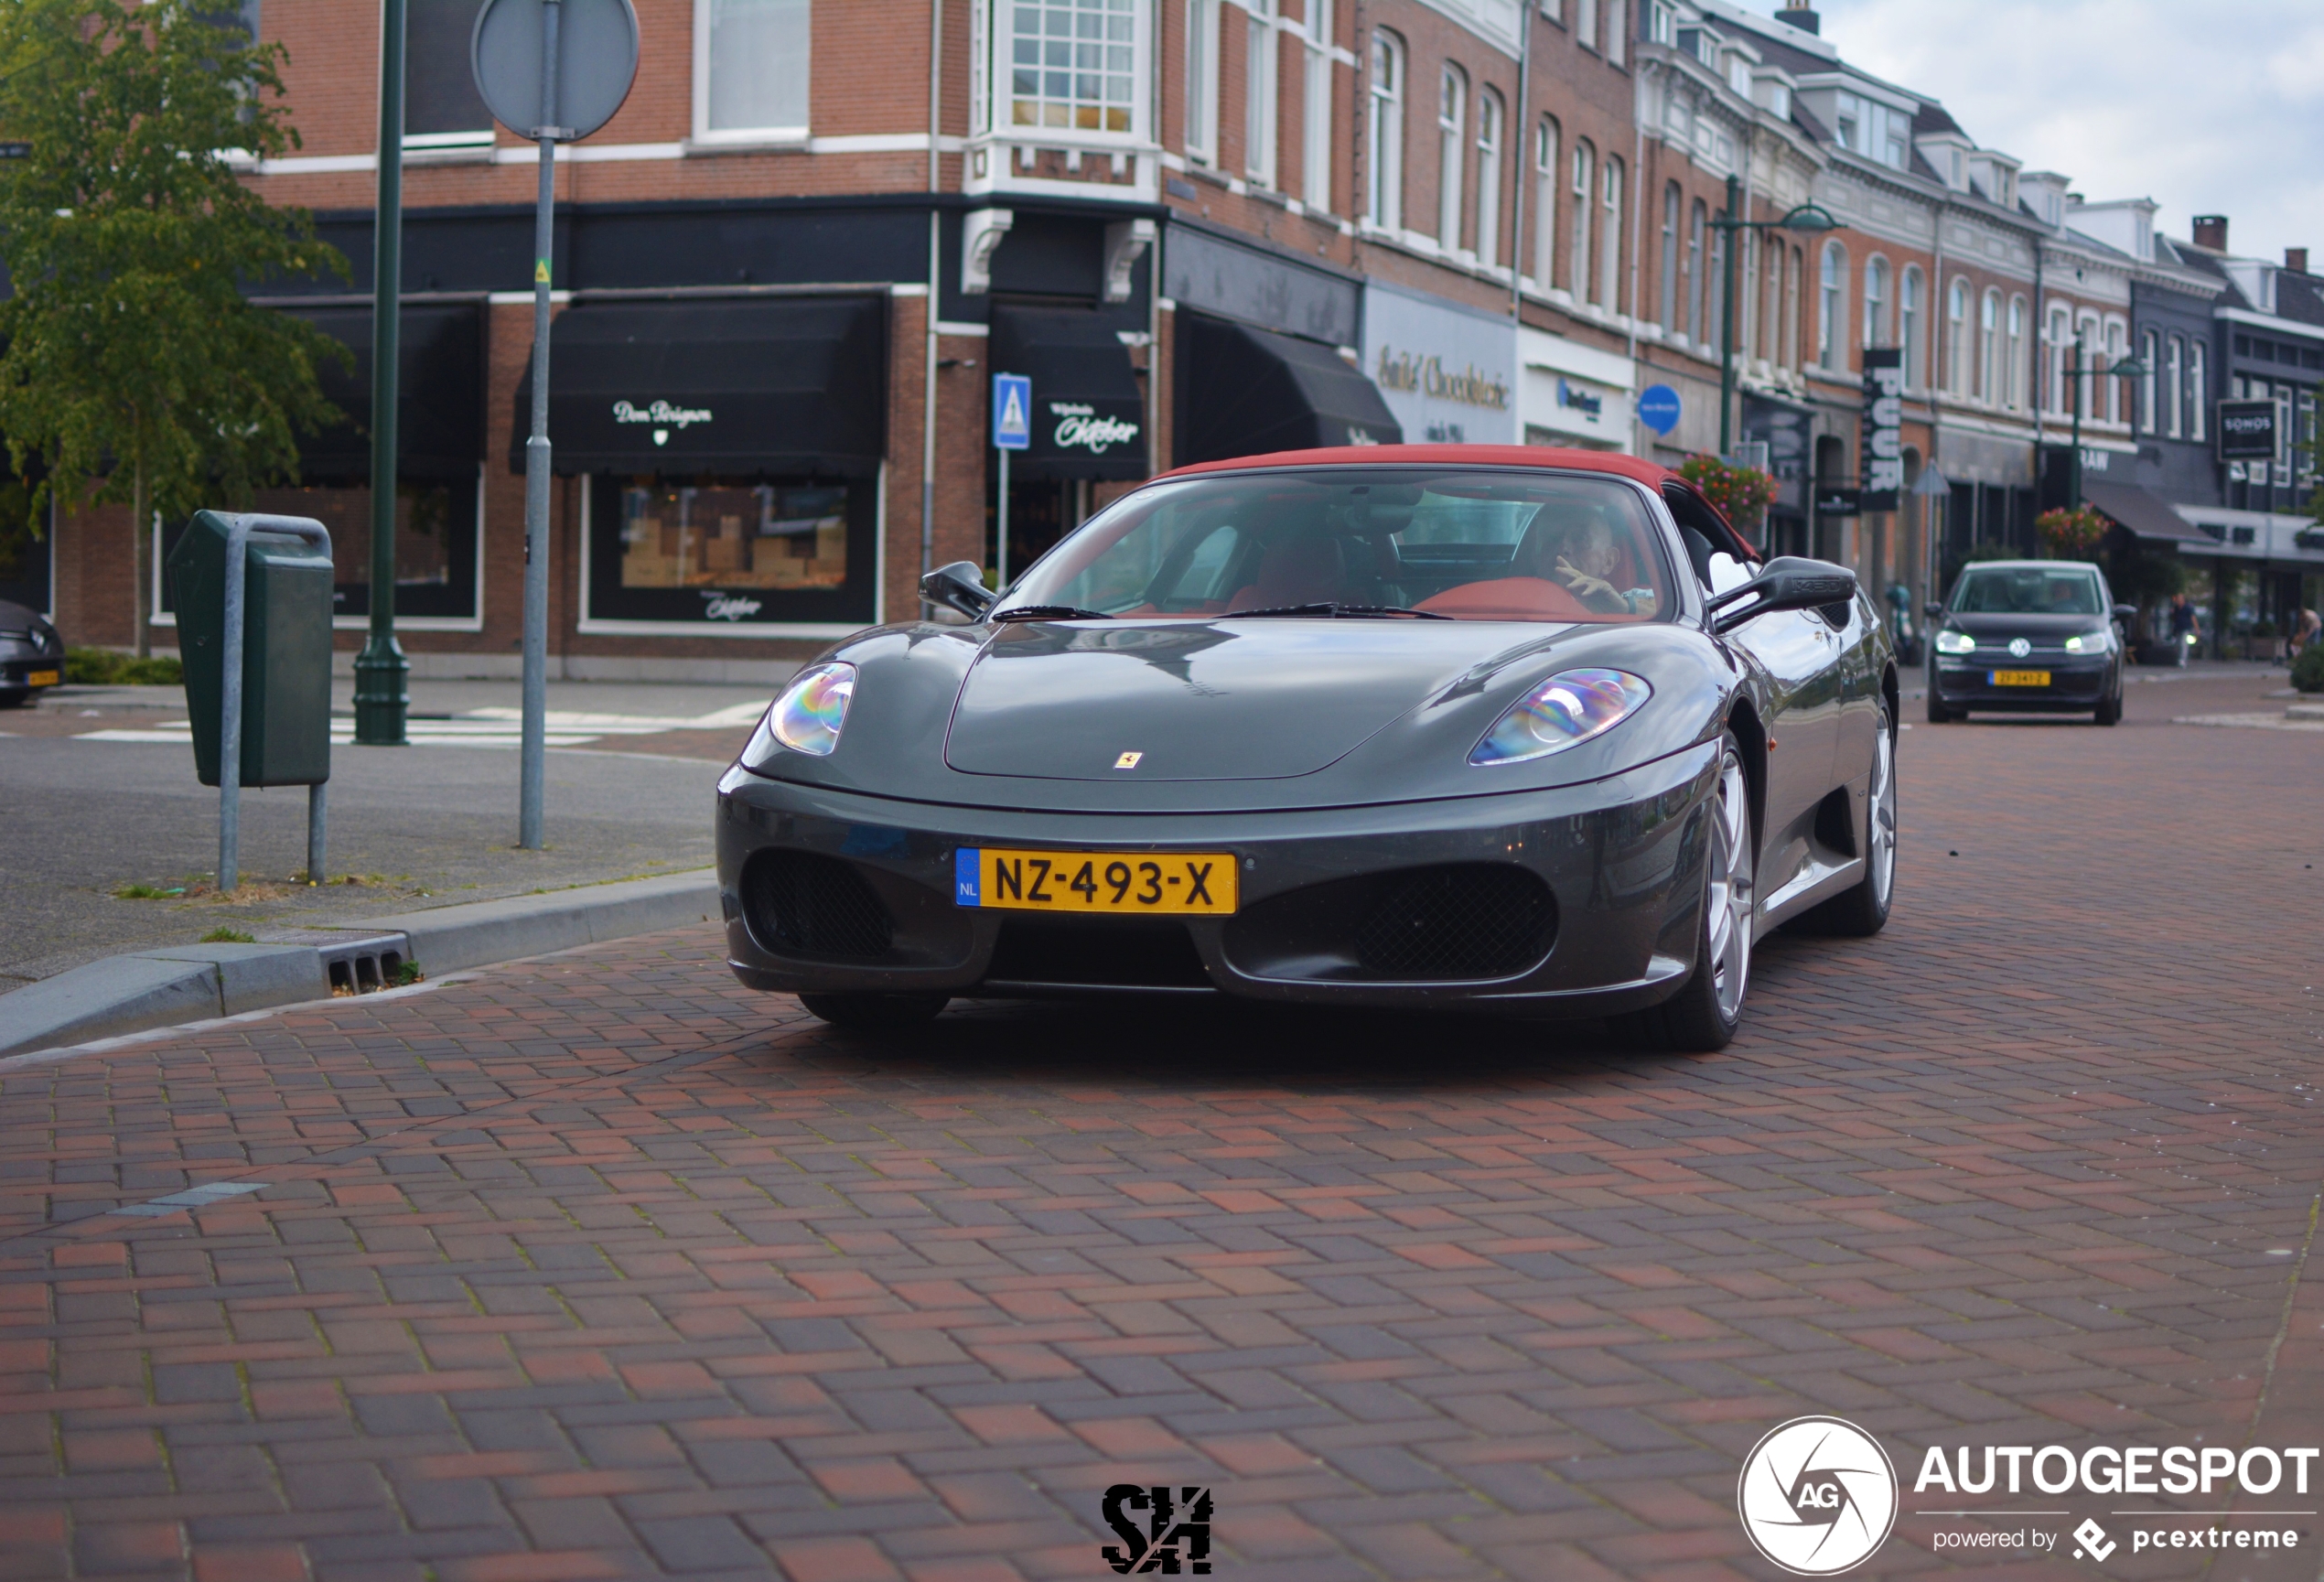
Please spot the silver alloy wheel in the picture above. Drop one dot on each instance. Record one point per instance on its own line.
(1728, 951)
(1884, 815)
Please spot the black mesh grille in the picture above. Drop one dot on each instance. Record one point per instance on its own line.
(1481, 921)
(801, 904)
(1120, 953)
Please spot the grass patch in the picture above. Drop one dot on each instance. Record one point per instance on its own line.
(408, 972)
(147, 893)
(103, 667)
(229, 937)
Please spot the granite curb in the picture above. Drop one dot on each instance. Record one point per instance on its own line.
(168, 986)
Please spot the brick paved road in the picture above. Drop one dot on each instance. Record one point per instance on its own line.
(597, 1265)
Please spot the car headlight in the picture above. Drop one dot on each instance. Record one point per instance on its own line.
(1567, 709)
(1950, 641)
(2087, 643)
(807, 715)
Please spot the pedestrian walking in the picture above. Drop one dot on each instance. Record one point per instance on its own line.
(2306, 630)
(2182, 628)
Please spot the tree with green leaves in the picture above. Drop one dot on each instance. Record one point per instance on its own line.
(135, 371)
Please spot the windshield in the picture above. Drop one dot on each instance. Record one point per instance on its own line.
(1471, 545)
(2027, 590)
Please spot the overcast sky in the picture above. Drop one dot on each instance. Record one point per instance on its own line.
(2207, 106)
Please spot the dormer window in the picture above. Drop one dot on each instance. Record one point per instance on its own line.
(1872, 129)
(1662, 24)
(1779, 101)
(1738, 76)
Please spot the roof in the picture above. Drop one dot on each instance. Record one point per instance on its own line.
(1652, 474)
(2299, 297)
(1934, 119)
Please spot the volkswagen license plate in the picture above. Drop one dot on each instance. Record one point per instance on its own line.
(42, 678)
(2020, 678)
(1151, 883)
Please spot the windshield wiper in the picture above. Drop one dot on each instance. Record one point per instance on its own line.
(1051, 612)
(1335, 611)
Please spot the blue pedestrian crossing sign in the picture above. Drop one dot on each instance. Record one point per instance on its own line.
(1012, 410)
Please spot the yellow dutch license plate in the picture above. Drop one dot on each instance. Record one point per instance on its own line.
(42, 678)
(1149, 883)
(2021, 678)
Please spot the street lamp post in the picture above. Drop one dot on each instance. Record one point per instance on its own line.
(2128, 367)
(381, 669)
(1808, 219)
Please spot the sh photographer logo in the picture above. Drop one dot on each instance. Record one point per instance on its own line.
(1817, 1496)
(1176, 1535)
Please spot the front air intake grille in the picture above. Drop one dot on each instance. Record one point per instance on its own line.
(1097, 952)
(1481, 920)
(802, 904)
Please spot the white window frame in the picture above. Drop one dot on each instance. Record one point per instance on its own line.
(2198, 388)
(2151, 353)
(1315, 160)
(997, 25)
(1261, 112)
(1202, 80)
(1617, 32)
(1908, 326)
(1875, 300)
(1452, 154)
(1492, 124)
(1585, 197)
(1832, 306)
(2012, 341)
(1586, 23)
(1666, 291)
(1546, 198)
(703, 131)
(1609, 186)
(1384, 132)
(1989, 347)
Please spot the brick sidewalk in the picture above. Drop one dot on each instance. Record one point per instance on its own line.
(601, 1266)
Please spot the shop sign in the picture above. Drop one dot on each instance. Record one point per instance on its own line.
(2246, 428)
(1881, 432)
(663, 415)
(1448, 375)
(1658, 408)
(1080, 425)
(1835, 500)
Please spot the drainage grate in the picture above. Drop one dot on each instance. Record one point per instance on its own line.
(366, 965)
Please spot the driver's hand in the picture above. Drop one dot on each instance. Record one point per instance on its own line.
(1581, 581)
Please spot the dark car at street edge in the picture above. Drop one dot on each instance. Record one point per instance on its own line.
(2028, 636)
(1347, 760)
(32, 656)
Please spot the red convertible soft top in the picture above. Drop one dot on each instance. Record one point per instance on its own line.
(1652, 474)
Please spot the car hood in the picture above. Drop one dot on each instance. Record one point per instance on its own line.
(1202, 700)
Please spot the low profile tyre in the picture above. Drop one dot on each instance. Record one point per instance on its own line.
(876, 1013)
(1703, 1016)
(1864, 911)
(15, 699)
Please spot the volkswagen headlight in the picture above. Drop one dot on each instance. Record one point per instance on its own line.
(1567, 710)
(1950, 641)
(807, 715)
(2087, 643)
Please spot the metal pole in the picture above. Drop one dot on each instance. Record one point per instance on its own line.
(1001, 575)
(315, 825)
(229, 712)
(1727, 318)
(382, 674)
(535, 755)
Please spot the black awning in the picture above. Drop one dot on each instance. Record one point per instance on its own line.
(747, 385)
(1248, 392)
(2146, 513)
(439, 404)
(1089, 416)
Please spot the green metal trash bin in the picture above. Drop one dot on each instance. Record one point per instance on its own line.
(286, 652)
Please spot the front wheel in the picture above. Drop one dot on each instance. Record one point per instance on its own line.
(1703, 1015)
(876, 1013)
(2110, 710)
(1938, 713)
(1864, 911)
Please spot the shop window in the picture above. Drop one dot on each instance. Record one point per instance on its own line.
(722, 551)
(435, 547)
(442, 108)
(1073, 64)
(750, 69)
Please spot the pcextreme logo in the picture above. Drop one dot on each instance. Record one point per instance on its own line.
(1817, 1496)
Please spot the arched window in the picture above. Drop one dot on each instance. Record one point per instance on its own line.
(1452, 111)
(1698, 322)
(1989, 347)
(1908, 329)
(1385, 194)
(2198, 388)
(1545, 204)
(1876, 302)
(1202, 81)
(2054, 359)
(2013, 376)
(1956, 338)
(1610, 282)
(2150, 352)
(1585, 275)
(2175, 384)
(1667, 287)
(1769, 336)
(1832, 304)
(1794, 271)
(1488, 125)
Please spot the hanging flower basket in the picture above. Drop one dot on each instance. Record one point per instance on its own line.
(1741, 493)
(2073, 535)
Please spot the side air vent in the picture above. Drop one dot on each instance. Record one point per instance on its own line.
(1454, 923)
(804, 904)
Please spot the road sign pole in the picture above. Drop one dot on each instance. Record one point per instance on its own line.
(535, 753)
(1002, 575)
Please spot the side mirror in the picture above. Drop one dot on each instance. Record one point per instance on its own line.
(2125, 612)
(960, 587)
(1789, 582)
(1932, 609)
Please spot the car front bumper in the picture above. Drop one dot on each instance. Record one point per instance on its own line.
(2074, 683)
(1620, 859)
(31, 672)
